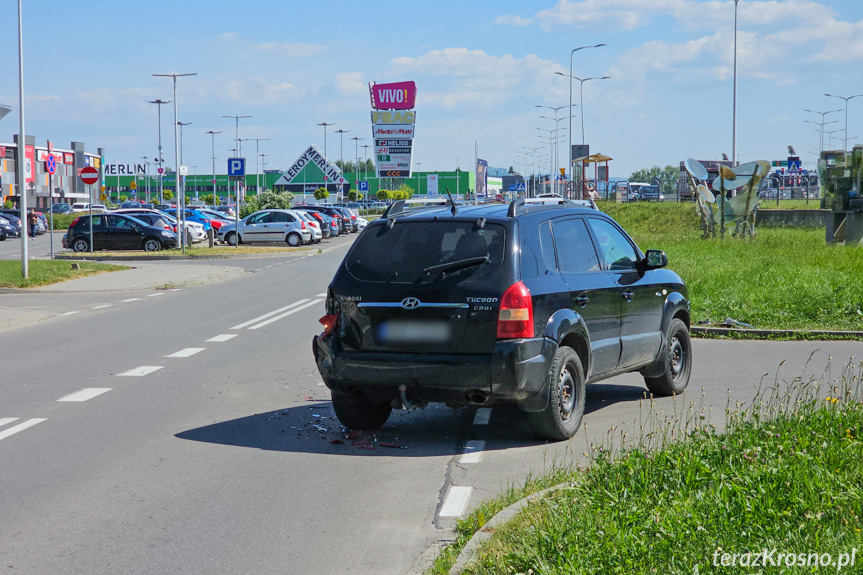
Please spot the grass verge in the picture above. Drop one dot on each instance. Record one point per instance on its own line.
(783, 279)
(785, 476)
(46, 272)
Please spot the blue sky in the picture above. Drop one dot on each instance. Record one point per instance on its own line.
(480, 67)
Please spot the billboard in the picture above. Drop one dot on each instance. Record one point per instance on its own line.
(393, 133)
(481, 178)
(394, 96)
(432, 185)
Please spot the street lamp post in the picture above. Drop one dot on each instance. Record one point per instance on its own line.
(365, 148)
(257, 142)
(181, 212)
(357, 161)
(341, 134)
(19, 162)
(325, 124)
(823, 114)
(181, 124)
(237, 188)
(146, 175)
(555, 156)
(821, 129)
(734, 104)
(213, 139)
(845, 146)
(160, 159)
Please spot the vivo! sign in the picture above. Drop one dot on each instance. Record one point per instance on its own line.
(395, 96)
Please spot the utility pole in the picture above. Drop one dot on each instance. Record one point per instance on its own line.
(213, 138)
(160, 159)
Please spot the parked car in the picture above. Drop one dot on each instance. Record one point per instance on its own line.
(354, 225)
(522, 304)
(192, 216)
(195, 230)
(130, 204)
(62, 208)
(116, 232)
(13, 221)
(327, 222)
(650, 194)
(9, 230)
(226, 209)
(80, 207)
(267, 226)
(345, 225)
(317, 232)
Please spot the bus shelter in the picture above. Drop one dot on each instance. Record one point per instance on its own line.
(600, 172)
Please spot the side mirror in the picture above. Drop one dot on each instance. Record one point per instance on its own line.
(654, 259)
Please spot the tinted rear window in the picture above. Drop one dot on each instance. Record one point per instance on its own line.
(401, 254)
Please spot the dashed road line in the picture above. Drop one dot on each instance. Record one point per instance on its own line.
(270, 314)
(130, 299)
(483, 414)
(103, 306)
(473, 451)
(268, 267)
(286, 314)
(456, 501)
(85, 394)
(222, 337)
(141, 371)
(70, 313)
(5, 420)
(322, 294)
(154, 294)
(188, 352)
(20, 427)
(175, 289)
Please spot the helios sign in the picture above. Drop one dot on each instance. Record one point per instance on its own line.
(393, 131)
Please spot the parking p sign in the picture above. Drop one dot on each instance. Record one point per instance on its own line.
(236, 166)
(363, 186)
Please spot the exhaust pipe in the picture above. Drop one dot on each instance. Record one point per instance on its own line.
(477, 397)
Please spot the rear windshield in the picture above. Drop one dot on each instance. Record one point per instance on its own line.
(405, 253)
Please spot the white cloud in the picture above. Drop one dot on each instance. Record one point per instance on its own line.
(291, 49)
(40, 98)
(351, 83)
(473, 77)
(512, 20)
(227, 36)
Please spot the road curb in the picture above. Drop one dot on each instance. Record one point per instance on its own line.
(696, 330)
(487, 530)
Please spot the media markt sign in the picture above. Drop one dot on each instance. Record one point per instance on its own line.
(393, 132)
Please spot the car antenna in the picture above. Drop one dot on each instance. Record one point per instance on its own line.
(453, 209)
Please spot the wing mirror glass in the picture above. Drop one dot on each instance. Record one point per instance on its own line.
(655, 259)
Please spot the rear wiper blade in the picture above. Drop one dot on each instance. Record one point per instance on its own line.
(457, 265)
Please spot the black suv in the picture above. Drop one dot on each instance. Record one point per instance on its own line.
(477, 305)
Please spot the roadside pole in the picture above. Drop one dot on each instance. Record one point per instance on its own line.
(90, 207)
(51, 210)
(90, 176)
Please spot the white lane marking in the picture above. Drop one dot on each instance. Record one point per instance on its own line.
(141, 371)
(70, 313)
(175, 289)
(20, 427)
(286, 314)
(223, 337)
(266, 315)
(188, 352)
(456, 501)
(473, 451)
(258, 270)
(482, 416)
(130, 299)
(322, 294)
(85, 394)
(268, 267)
(154, 295)
(103, 306)
(5, 420)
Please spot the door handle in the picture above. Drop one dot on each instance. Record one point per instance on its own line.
(627, 295)
(582, 300)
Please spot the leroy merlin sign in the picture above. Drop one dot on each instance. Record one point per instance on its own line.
(313, 156)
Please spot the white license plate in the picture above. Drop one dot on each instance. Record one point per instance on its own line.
(414, 332)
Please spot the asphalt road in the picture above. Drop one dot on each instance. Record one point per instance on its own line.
(224, 456)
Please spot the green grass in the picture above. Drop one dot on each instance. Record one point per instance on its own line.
(814, 204)
(46, 272)
(786, 474)
(783, 279)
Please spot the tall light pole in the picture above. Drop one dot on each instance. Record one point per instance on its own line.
(734, 105)
(181, 124)
(19, 161)
(823, 114)
(365, 148)
(845, 145)
(263, 167)
(181, 177)
(181, 212)
(160, 159)
(821, 124)
(326, 159)
(237, 188)
(341, 134)
(146, 175)
(555, 156)
(257, 156)
(571, 55)
(357, 160)
(195, 181)
(830, 136)
(213, 138)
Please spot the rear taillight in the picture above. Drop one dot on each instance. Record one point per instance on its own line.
(353, 217)
(329, 322)
(74, 223)
(515, 318)
(302, 224)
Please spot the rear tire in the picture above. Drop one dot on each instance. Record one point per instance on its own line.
(294, 239)
(562, 417)
(678, 362)
(359, 412)
(231, 238)
(81, 245)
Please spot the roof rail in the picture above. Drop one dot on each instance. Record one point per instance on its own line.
(520, 206)
(400, 207)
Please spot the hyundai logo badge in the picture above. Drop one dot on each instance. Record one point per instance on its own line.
(410, 303)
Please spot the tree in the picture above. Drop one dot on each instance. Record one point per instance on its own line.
(321, 194)
(353, 196)
(267, 201)
(384, 195)
(666, 177)
(207, 199)
(346, 166)
(167, 195)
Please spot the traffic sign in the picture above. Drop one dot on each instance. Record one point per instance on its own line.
(160, 170)
(363, 186)
(236, 166)
(103, 197)
(89, 175)
(133, 185)
(520, 187)
(512, 187)
(793, 166)
(51, 164)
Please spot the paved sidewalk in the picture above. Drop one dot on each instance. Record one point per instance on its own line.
(143, 276)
